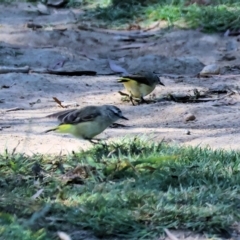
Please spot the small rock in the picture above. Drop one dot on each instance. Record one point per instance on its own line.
(188, 132)
(189, 117)
(6, 126)
(43, 9)
(212, 69)
(228, 57)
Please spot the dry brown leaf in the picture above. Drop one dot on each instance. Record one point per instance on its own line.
(152, 26)
(58, 102)
(133, 26)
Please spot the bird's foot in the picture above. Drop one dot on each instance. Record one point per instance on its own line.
(117, 125)
(94, 141)
(97, 141)
(129, 97)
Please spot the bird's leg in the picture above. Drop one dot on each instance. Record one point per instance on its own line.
(93, 142)
(131, 99)
(97, 141)
(142, 100)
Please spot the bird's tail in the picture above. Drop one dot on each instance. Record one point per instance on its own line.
(62, 128)
(50, 130)
(124, 79)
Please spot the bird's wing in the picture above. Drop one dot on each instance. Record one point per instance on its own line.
(75, 116)
(137, 78)
(61, 113)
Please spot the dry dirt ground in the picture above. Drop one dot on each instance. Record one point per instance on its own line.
(65, 44)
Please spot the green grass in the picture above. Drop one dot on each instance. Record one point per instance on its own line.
(219, 16)
(131, 189)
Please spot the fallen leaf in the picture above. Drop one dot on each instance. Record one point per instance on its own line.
(58, 102)
(63, 236)
(212, 69)
(226, 34)
(170, 235)
(116, 68)
(37, 194)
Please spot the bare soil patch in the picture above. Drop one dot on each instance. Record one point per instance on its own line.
(64, 44)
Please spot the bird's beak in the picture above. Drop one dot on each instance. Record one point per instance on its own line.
(124, 118)
(161, 82)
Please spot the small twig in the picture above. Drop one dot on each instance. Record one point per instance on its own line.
(58, 102)
(14, 109)
(152, 27)
(214, 99)
(113, 151)
(34, 25)
(14, 150)
(68, 104)
(6, 69)
(199, 100)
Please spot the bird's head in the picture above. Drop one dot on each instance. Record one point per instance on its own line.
(152, 77)
(114, 113)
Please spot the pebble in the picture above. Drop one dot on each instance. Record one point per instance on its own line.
(212, 69)
(189, 117)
